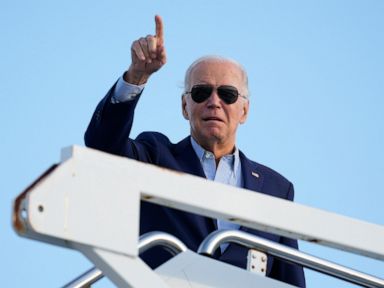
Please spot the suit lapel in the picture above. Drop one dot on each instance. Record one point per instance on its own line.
(190, 163)
(253, 180)
(187, 158)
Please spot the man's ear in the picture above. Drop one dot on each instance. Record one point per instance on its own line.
(245, 111)
(184, 107)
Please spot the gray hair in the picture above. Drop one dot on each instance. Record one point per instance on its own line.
(216, 58)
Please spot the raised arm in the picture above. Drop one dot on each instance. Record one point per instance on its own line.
(111, 124)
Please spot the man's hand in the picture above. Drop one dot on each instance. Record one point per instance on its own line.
(148, 56)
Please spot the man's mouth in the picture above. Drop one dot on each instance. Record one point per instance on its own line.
(213, 119)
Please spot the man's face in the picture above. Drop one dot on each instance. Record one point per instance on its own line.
(213, 122)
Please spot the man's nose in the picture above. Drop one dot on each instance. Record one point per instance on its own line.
(214, 99)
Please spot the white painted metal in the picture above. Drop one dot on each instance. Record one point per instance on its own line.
(257, 262)
(91, 197)
(189, 269)
(74, 202)
(194, 194)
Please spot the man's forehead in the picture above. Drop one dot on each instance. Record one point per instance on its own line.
(214, 69)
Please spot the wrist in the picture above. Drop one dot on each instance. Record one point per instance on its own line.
(135, 77)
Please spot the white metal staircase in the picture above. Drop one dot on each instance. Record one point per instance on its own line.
(90, 202)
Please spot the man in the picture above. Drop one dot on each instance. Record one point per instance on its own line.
(215, 102)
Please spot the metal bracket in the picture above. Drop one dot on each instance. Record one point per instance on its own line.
(257, 262)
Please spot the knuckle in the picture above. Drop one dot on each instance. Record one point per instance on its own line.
(135, 44)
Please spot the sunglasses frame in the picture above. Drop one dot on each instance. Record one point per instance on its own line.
(222, 91)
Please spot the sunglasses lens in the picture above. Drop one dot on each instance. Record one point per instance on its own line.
(201, 93)
(228, 94)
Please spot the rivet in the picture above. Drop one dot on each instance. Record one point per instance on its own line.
(263, 259)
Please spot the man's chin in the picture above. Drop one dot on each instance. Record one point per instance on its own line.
(214, 136)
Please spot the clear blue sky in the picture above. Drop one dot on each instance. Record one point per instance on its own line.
(316, 71)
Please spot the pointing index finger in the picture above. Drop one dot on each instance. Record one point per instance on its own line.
(159, 30)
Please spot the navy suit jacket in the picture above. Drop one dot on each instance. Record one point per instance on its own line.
(109, 131)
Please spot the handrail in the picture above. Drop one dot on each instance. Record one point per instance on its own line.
(146, 241)
(157, 238)
(216, 238)
(86, 279)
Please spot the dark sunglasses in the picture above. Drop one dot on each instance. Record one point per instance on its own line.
(227, 93)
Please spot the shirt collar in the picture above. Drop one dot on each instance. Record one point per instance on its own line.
(201, 153)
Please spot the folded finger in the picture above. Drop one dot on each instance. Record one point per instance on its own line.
(144, 48)
(152, 46)
(136, 51)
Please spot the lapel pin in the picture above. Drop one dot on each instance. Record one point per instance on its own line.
(255, 174)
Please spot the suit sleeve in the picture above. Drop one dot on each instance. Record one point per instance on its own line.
(110, 127)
